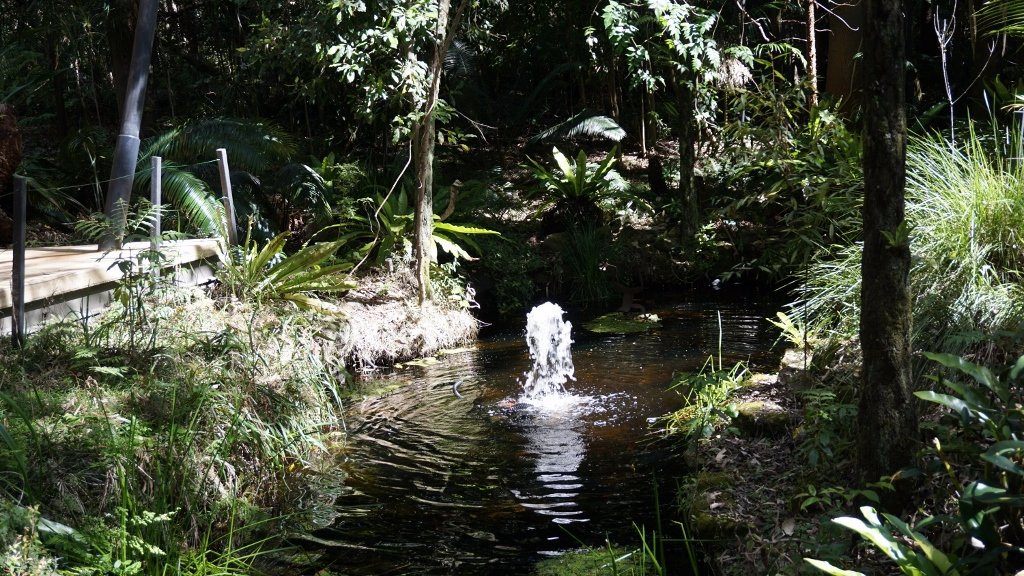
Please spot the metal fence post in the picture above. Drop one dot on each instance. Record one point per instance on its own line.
(155, 182)
(229, 201)
(18, 264)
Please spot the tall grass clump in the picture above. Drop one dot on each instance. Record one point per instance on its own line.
(965, 203)
(177, 453)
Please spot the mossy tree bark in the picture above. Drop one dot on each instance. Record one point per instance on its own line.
(887, 424)
(424, 141)
(812, 54)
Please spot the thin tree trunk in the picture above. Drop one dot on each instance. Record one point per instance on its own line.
(687, 157)
(886, 422)
(126, 150)
(424, 140)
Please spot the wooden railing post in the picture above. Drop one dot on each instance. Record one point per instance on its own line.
(18, 264)
(229, 202)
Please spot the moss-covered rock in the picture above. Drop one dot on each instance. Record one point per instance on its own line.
(710, 526)
(621, 323)
(711, 504)
(794, 370)
(761, 418)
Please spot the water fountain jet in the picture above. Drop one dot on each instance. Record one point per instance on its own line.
(549, 338)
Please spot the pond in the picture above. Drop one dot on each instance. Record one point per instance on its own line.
(466, 481)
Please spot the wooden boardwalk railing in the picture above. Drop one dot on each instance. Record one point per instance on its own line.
(59, 281)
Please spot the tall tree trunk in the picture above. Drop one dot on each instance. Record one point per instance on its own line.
(812, 52)
(10, 158)
(687, 156)
(424, 139)
(886, 421)
(846, 26)
(126, 150)
(119, 43)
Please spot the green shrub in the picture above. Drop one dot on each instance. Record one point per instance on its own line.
(788, 185)
(573, 192)
(984, 482)
(966, 208)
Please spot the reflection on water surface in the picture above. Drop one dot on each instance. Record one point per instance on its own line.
(438, 484)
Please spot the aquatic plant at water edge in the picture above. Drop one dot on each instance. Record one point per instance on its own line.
(707, 394)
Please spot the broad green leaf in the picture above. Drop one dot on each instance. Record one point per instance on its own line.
(828, 568)
(980, 374)
(582, 185)
(952, 402)
(306, 257)
(996, 455)
(882, 541)
(981, 493)
(1018, 367)
(261, 259)
(935, 563)
(563, 163)
(308, 302)
(462, 229)
(452, 248)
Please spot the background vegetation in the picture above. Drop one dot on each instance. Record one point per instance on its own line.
(589, 150)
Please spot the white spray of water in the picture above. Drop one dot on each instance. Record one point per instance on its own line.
(549, 338)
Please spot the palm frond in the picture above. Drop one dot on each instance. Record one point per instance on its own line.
(1002, 17)
(583, 124)
(253, 146)
(186, 192)
(459, 61)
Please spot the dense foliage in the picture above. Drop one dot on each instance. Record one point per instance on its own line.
(586, 150)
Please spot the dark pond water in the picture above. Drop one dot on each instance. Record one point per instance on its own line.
(438, 484)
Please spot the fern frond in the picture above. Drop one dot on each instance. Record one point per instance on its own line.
(188, 193)
(252, 145)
